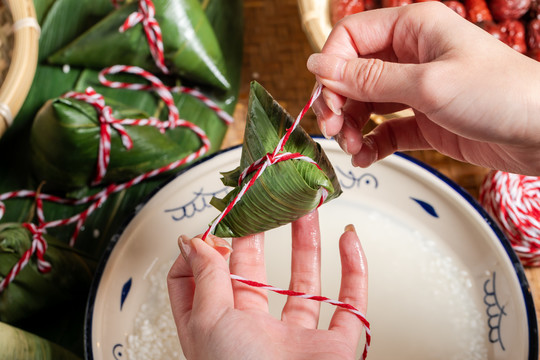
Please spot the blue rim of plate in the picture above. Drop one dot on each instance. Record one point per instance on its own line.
(518, 267)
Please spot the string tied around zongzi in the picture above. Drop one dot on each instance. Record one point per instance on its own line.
(146, 16)
(38, 246)
(258, 167)
(261, 164)
(155, 83)
(96, 200)
(107, 120)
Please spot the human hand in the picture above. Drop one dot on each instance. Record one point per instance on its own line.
(220, 319)
(474, 98)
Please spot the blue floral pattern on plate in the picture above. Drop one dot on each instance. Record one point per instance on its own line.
(494, 311)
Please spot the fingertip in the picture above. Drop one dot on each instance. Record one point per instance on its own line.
(367, 154)
(326, 66)
(352, 250)
(222, 246)
(334, 101)
(329, 123)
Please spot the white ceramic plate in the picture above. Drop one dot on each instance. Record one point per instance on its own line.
(444, 283)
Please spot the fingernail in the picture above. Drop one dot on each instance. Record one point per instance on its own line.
(314, 88)
(342, 141)
(328, 99)
(220, 245)
(184, 243)
(322, 126)
(350, 227)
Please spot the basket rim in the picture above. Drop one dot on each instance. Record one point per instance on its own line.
(23, 64)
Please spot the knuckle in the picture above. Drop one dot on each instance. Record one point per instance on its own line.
(366, 74)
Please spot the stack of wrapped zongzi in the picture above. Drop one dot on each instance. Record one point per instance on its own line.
(56, 140)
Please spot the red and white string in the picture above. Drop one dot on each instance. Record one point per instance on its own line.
(107, 122)
(258, 167)
(514, 202)
(146, 16)
(269, 159)
(319, 298)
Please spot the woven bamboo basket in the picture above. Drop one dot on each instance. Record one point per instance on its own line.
(21, 34)
(315, 15)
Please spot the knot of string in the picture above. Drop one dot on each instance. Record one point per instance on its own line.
(269, 159)
(106, 122)
(146, 16)
(258, 168)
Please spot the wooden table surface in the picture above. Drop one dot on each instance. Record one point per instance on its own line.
(275, 53)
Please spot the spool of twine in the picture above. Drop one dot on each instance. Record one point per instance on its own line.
(514, 203)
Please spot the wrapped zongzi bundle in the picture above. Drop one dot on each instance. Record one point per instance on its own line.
(65, 144)
(31, 290)
(191, 49)
(286, 190)
(19, 344)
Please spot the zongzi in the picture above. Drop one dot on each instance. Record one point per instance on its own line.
(191, 49)
(31, 291)
(286, 190)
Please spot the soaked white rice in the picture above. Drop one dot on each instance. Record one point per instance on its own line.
(154, 336)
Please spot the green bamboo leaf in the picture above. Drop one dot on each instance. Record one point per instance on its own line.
(64, 146)
(191, 47)
(19, 344)
(49, 82)
(42, 7)
(287, 190)
(32, 291)
(63, 20)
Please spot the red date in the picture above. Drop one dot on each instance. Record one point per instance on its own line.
(477, 11)
(495, 30)
(394, 3)
(533, 34)
(457, 6)
(515, 34)
(508, 9)
(535, 9)
(342, 8)
(372, 4)
(534, 54)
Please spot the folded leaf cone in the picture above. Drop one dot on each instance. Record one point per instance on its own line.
(32, 291)
(191, 48)
(19, 344)
(286, 190)
(64, 146)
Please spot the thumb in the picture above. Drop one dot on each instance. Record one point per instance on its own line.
(368, 80)
(213, 291)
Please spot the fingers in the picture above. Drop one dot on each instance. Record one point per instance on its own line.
(247, 260)
(354, 286)
(199, 282)
(362, 34)
(329, 123)
(389, 137)
(368, 80)
(305, 272)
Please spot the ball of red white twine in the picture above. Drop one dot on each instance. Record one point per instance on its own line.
(514, 203)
